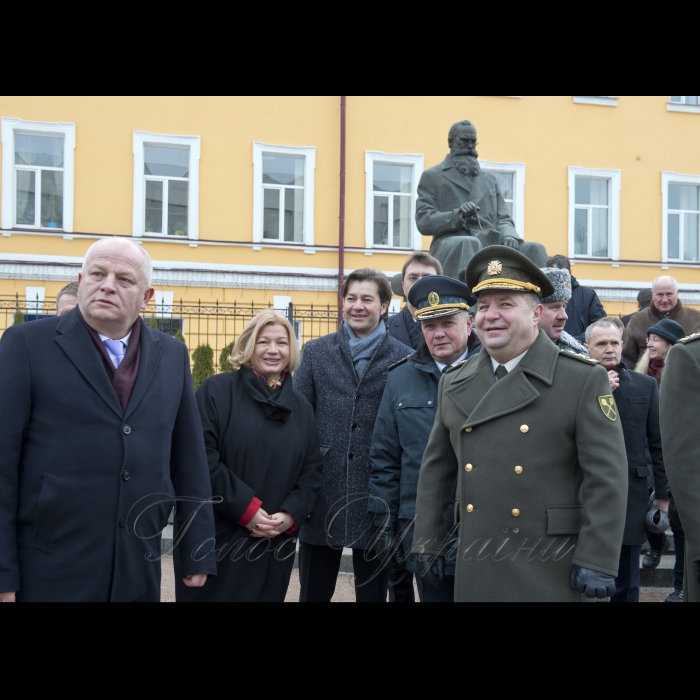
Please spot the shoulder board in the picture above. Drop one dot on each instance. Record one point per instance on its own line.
(457, 366)
(400, 362)
(690, 338)
(578, 356)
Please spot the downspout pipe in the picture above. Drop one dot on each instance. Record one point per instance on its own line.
(341, 223)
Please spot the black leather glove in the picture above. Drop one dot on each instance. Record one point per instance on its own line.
(430, 568)
(591, 583)
(384, 542)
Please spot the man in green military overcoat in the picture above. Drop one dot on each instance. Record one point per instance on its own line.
(532, 438)
(680, 418)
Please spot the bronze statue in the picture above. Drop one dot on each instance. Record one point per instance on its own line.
(463, 208)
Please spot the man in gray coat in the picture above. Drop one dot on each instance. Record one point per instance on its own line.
(462, 207)
(343, 377)
(541, 478)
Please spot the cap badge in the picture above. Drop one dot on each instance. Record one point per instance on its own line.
(433, 298)
(494, 268)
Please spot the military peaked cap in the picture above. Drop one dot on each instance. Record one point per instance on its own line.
(437, 296)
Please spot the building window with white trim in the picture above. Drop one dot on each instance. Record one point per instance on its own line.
(594, 213)
(392, 191)
(166, 185)
(283, 197)
(686, 100)
(38, 166)
(511, 182)
(681, 230)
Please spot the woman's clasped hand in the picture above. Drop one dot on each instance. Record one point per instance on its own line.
(264, 525)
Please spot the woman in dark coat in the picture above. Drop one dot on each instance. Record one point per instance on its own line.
(265, 464)
(661, 337)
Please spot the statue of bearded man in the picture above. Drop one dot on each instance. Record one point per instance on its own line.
(463, 208)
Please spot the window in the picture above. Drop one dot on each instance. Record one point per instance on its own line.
(392, 190)
(511, 181)
(594, 213)
(166, 185)
(603, 100)
(283, 198)
(685, 99)
(684, 103)
(37, 168)
(681, 225)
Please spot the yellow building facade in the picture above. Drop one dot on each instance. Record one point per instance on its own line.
(237, 199)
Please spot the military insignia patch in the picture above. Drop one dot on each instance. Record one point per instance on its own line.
(607, 405)
(434, 299)
(494, 268)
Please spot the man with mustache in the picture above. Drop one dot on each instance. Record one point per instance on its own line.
(463, 208)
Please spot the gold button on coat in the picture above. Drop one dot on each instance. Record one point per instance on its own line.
(468, 467)
(467, 430)
(470, 508)
(524, 428)
(518, 470)
(515, 512)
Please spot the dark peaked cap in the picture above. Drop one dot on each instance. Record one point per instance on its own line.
(500, 267)
(437, 296)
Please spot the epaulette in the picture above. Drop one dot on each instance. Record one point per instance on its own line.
(690, 338)
(578, 356)
(457, 366)
(400, 362)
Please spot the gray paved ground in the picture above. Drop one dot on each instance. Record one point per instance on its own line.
(344, 592)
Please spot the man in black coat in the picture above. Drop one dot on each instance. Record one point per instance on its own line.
(343, 377)
(584, 306)
(100, 437)
(637, 399)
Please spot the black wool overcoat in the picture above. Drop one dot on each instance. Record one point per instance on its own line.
(346, 409)
(637, 400)
(86, 488)
(263, 448)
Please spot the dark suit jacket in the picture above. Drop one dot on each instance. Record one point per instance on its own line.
(637, 400)
(85, 488)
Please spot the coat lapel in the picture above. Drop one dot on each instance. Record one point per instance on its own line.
(151, 351)
(480, 398)
(454, 176)
(76, 343)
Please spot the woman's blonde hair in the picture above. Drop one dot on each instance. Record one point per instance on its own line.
(246, 341)
(643, 364)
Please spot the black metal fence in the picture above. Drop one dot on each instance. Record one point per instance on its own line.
(216, 324)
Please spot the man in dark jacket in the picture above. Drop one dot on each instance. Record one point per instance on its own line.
(584, 307)
(343, 377)
(100, 433)
(637, 399)
(403, 326)
(405, 419)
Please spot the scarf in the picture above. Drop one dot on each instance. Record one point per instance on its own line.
(275, 404)
(362, 349)
(656, 368)
(413, 328)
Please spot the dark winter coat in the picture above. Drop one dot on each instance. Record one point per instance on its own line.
(680, 419)
(637, 400)
(583, 308)
(260, 444)
(397, 327)
(405, 419)
(86, 487)
(539, 462)
(346, 409)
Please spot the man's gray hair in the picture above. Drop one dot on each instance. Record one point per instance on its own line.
(665, 277)
(606, 322)
(120, 240)
(71, 288)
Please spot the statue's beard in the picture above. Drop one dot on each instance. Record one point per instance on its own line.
(466, 164)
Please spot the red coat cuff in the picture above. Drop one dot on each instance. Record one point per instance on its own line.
(251, 510)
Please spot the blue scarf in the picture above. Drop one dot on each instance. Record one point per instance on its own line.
(362, 349)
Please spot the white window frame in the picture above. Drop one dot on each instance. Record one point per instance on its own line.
(414, 160)
(141, 139)
(11, 126)
(603, 101)
(519, 172)
(668, 178)
(675, 106)
(261, 149)
(615, 179)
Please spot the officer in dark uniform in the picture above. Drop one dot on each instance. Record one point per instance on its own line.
(531, 436)
(680, 416)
